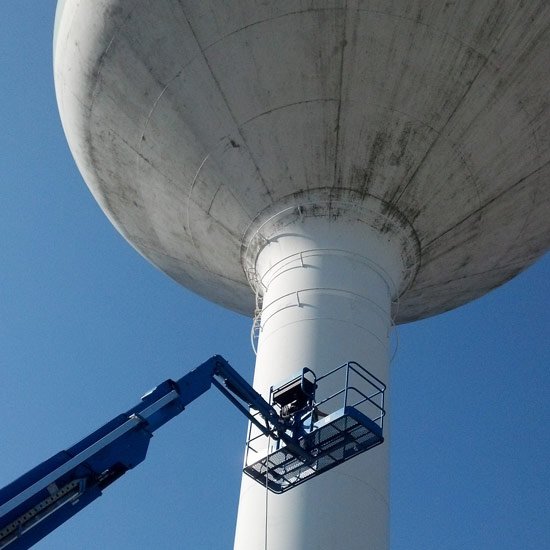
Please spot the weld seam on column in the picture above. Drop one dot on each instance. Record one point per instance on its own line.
(380, 311)
(332, 319)
(298, 257)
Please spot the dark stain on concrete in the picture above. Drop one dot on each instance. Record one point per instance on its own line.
(376, 150)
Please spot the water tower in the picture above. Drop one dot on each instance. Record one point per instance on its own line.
(328, 168)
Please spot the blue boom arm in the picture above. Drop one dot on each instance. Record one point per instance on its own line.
(47, 496)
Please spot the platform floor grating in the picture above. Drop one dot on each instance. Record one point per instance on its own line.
(343, 437)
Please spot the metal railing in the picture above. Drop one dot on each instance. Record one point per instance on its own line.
(360, 389)
(354, 386)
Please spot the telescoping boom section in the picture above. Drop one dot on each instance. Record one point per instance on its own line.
(303, 441)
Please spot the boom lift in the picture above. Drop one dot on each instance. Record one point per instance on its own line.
(301, 441)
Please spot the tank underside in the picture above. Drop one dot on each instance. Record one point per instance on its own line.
(195, 122)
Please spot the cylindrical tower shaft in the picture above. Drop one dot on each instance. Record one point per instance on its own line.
(327, 290)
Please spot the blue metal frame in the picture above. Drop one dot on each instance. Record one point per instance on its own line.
(44, 498)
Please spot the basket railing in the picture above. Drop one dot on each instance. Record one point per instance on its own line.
(359, 389)
(348, 385)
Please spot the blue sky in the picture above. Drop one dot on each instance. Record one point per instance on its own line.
(87, 326)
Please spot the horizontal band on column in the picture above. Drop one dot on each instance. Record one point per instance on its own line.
(299, 257)
(293, 300)
(365, 329)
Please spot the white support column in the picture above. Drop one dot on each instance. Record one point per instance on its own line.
(327, 291)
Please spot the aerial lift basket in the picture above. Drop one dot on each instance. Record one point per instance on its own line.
(336, 417)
